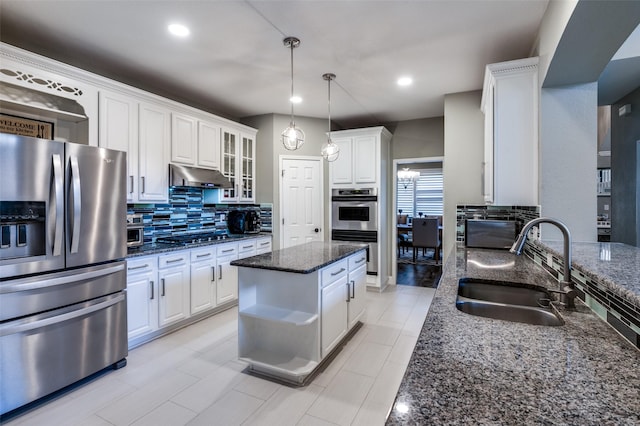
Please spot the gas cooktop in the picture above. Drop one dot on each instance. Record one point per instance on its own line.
(195, 238)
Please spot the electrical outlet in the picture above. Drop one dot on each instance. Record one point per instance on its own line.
(549, 259)
(606, 206)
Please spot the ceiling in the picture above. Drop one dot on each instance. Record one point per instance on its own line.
(234, 62)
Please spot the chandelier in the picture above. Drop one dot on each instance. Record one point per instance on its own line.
(407, 177)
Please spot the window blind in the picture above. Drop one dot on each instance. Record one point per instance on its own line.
(422, 196)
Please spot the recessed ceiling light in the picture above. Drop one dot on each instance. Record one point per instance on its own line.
(295, 99)
(179, 30)
(405, 81)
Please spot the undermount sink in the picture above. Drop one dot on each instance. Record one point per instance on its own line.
(507, 301)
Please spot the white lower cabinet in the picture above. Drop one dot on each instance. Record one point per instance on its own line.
(203, 279)
(174, 282)
(142, 302)
(334, 302)
(289, 322)
(166, 289)
(227, 275)
(263, 245)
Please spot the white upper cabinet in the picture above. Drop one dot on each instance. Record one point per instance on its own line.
(510, 103)
(118, 129)
(184, 139)
(195, 142)
(208, 145)
(362, 153)
(154, 133)
(142, 131)
(238, 164)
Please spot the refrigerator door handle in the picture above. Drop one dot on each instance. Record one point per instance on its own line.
(11, 288)
(59, 205)
(77, 204)
(21, 327)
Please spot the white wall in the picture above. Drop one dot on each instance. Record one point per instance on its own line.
(463, 157)
(568, 159)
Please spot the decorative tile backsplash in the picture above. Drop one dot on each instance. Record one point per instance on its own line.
(620, 312)
(187, 212)
(520, 214)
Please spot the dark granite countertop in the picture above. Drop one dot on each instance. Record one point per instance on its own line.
(302, 259)
(471, 370)
(157, 248)
(614, 264)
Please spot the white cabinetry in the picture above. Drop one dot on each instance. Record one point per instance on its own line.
(288, 323)
(263, 245)
(510, 104)
(184, 139)
(238, 164)
(363, 156)
(142, 296)
(195, 142)
(174, 280)
(334, 300)
(357, 287)
(142, 131)
(203, 279)
(227, 279)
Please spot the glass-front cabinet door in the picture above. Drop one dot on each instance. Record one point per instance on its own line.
(229, 160)
(247, 168)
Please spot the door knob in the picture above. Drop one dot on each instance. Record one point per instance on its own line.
(316, 230)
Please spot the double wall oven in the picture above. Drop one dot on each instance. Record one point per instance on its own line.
(63, 312)
(354, 218)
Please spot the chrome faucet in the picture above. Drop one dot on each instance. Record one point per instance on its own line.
(568, 293)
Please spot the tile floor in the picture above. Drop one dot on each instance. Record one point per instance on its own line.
(193, 377)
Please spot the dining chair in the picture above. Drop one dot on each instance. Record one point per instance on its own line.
(426, 235)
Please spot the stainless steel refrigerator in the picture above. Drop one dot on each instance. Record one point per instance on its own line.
(62, 266)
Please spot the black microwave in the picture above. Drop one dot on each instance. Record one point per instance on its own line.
(243, 221)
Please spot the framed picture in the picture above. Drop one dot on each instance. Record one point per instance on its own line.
(25, 126)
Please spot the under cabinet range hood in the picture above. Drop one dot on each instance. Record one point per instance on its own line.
(197, 177)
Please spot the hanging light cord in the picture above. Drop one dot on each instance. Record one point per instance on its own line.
(329, 90)
(291, 99)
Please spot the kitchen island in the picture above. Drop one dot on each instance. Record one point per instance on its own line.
(468, 369)
(297, 306)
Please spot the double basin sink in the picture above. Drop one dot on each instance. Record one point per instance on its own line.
(507, 301)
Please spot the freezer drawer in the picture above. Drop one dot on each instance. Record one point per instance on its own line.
(28, 296)
(46, 352)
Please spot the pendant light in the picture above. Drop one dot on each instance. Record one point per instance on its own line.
(330, 151)
(292, 137)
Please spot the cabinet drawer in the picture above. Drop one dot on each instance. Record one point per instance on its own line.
(246, 245)
(227, 250)
(263, 245)
(141, 265)
(205, 254)
(334, 272)
(357, 260)
(174, 259)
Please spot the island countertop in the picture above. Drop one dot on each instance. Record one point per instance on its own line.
(471, 370)
(301, 259)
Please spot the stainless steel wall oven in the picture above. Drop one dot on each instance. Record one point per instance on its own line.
(62, 268)
(354, 218)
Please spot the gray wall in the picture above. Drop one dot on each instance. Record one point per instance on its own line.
(268, 152)
(418, 138)
(463, 157)
(568, 154)
(625, 171)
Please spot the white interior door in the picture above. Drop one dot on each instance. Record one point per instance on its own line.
(302, 212)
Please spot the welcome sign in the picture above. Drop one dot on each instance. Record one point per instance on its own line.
(25, 127)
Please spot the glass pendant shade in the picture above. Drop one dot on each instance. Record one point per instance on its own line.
(330, 151)
(292, 137)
